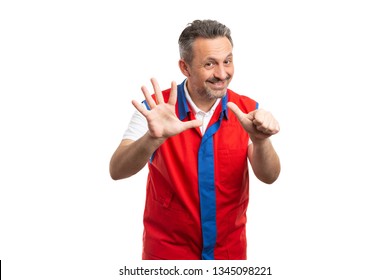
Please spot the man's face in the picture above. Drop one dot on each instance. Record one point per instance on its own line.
(211, 69)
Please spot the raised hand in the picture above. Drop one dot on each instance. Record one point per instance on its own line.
(259, 124)
(162, 120)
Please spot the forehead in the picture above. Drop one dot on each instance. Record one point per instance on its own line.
(217, 48)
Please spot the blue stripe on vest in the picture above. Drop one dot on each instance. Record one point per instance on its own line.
(206, 178)
(182, 102)
(207, 187)
(146, 105)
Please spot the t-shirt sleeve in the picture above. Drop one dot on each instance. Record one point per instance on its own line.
(137, 127)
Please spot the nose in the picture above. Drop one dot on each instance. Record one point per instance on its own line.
(220, 72)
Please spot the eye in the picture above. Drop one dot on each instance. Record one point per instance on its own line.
(209, 65)
(228, 62)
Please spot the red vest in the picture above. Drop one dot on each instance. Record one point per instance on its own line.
(197, 188)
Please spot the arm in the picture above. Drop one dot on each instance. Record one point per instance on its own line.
(260, 125)
(131, 156)
(264, 160)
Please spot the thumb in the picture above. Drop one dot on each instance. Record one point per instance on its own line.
(192, 124)
(237, 111)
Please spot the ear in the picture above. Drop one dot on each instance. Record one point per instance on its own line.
(184, 68)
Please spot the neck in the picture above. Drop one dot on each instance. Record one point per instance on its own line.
(205, 104)
(202, 100)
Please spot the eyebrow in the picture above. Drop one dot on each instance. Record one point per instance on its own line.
(214, 59)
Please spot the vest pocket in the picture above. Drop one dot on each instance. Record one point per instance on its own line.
(170, 233)
(231, 167)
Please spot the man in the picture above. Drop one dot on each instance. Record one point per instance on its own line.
(196, 139)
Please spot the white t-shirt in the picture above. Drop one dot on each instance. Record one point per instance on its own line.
(138, 125)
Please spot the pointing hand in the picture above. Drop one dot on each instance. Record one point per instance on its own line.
(259, 124)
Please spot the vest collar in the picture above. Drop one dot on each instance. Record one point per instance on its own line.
(183, 104)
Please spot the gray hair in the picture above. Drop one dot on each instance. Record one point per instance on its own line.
(208, 29)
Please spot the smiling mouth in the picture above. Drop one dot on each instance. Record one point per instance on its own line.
(218, 84)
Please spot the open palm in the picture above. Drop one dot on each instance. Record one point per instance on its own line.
(162, 120)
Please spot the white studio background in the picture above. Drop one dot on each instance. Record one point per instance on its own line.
(68, 73)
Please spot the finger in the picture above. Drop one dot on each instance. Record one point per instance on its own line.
(148, 97)
(237, 111)
(262, 124)
(273, 126)
(277, 127)
(192, 124)
(140, 108)
(268, 129)
(157, 91)
(260, 117)
(173, 94)
(265, 122)
(259, 123)
(265, 131)
(244, 119)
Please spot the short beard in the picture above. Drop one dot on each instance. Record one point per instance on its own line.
(212, 94)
